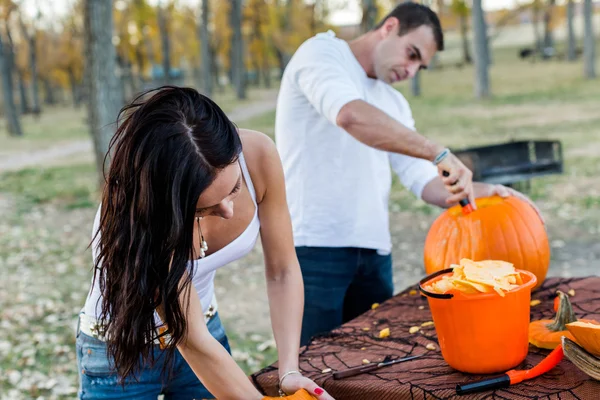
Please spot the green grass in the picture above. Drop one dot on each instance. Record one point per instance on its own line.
(71, 186)
(248, 352)
(264, 123)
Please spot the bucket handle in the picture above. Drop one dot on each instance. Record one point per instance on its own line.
(430, 277)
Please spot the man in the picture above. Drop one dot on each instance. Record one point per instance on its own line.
(339, 126)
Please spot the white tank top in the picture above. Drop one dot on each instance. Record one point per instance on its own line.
(204, 269)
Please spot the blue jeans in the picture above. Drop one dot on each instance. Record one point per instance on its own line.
(98, 380)
(340, 284)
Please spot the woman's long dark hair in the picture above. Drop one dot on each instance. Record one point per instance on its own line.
(168, 148)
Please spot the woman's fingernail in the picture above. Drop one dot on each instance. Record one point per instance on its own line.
(318, 391)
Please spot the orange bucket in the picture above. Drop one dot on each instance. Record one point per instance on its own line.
(481, 333)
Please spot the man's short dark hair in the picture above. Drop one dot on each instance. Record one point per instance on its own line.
(413, 15)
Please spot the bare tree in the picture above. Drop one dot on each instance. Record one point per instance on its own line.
(482, 81)
(12, 115)
(104, 91)
(30, 35)
(571, 44)
(237, 45)
(548, 37)
(369, 15)
(589, 45)
(415, 85)
(163, 26)
(205, 50)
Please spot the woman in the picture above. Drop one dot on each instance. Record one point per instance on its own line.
(165, 225)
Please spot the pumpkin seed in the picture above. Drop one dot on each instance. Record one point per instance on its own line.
(412, 292)
(365, 361)
(384, 333)
(413, 329)
(428, 323)
(431, 346)
(326, 370)
(374, 306)
(571, 292)
(534, 302)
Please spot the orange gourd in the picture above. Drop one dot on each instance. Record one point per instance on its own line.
(506, 229)
(587, 334)
(299, 395)
(546, 333)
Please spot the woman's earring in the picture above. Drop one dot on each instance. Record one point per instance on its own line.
(203, 245)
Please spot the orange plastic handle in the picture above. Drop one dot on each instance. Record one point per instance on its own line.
(551, 361)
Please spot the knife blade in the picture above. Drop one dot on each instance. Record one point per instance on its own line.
(370, 367)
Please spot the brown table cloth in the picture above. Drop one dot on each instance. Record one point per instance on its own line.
(429, 377)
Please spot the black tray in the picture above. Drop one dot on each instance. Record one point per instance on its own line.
(513, 162)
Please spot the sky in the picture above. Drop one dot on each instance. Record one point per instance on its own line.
(348, 16)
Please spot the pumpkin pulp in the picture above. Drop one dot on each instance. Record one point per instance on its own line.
(587, 335)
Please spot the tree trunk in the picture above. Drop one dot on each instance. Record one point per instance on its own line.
(35, 87)
(266, 70)
(205, 51)
(215, 72)
(49, 91)
(75, 95)
(25, 109)
(239, 70)
(482, 82)
(534, 22)
(369, 16)
(163, 26)
(571, 43)
(104, 90)
(415, 85)
(10, 110)
(589, 45)
(139, 60)
(464, 33)
(548, 38)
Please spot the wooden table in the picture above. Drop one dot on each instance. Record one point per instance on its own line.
(429, 377)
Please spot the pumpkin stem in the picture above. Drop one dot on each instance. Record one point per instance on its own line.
(565, 314)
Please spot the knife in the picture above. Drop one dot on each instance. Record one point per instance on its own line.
(370, 367)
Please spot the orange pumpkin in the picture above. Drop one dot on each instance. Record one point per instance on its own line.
(506, 229)
(299, 395)
(546, 333)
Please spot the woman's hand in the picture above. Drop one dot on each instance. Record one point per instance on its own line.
(294, 382)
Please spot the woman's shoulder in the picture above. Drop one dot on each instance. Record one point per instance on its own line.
(261, 158)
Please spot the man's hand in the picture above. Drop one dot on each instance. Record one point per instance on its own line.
(459, 182)
(487, 190)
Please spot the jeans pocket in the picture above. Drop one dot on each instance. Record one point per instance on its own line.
(94, 358)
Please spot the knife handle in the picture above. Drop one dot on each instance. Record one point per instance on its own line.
(499, 382)
(463, 202)
(354, 371)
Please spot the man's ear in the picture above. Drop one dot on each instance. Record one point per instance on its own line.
(390, 26)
